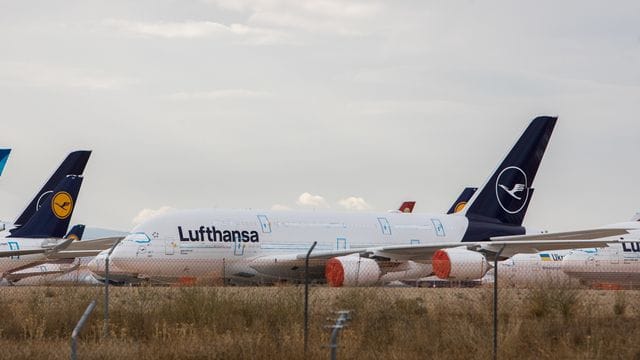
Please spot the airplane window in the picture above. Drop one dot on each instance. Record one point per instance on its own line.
(139, 238)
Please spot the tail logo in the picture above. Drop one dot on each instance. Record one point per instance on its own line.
(459, 207)
(512, 190)
(516, 189)
(62, 205)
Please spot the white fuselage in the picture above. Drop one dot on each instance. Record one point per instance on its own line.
(617, 264)
(225, 243)
(531, 269)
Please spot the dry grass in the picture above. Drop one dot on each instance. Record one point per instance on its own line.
(266, 323)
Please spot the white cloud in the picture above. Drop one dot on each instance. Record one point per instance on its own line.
(198, 29)
(316, 201)
(328, 16)
(146, 214)
(223, 94)
(45, 75)
(354, 203)
(280, 207)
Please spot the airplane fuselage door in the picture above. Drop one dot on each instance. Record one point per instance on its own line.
(437, 226)
(341, 243)
(169, 247)
(238, 249)
(265, 225)
(385, 227)
(13, 245)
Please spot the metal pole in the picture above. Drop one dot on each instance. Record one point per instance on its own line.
(495, 303)
(340, 323)
(78, 328)
(306, 299)
(106, 289)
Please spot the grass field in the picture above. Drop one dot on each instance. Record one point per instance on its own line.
(267, 323)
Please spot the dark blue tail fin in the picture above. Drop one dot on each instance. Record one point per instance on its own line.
(53, 217)
(462, 200)
(76, 232)
(4, 155)
(503, 200)
(74, 164)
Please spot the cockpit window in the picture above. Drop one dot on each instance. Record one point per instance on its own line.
(140, 238)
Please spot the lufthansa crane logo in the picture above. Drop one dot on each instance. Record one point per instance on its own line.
(62, 205)
(459, 207)
(512, 189)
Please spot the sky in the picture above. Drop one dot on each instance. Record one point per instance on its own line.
(319, 104)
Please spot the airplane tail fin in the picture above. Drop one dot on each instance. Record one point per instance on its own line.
(52, 218)
(4, 155)
(462, 200)
(76, 232)
(407, 206)
(504, 198)
(73, 164)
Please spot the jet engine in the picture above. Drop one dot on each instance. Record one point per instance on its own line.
(459, 264)
(352, 270)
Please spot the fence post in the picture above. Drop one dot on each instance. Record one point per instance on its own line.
(78, 328)
(343, 317)
(306, 299)
(495, 303)
(106, 289)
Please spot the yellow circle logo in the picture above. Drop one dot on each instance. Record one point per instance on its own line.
(460, 206)
(62, 205)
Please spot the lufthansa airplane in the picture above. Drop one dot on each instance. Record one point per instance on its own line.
(353, 248)
(37, 235)
(73, 164)
(42, 273)
(617, 265)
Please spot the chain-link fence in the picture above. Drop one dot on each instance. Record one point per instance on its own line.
(547, 308)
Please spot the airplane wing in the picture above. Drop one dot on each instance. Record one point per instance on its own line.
(292, 265)
(21, 252)
(512, 244)
(85, 248)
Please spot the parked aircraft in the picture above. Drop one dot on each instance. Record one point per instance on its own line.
(47, 271)
(36, 237)
(353, 248)
(616, 266)
(73, 164)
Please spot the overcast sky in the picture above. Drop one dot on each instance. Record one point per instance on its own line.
(310, 104)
